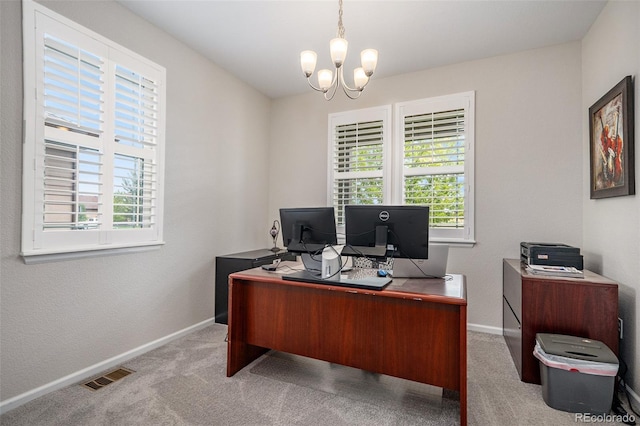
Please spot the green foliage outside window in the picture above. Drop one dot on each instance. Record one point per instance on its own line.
(127, 208)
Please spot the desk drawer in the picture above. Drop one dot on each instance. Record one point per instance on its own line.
(512, 288)
(512, 332)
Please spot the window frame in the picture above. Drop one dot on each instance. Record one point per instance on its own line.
(40, 244)
(394, 171)
(466, 101)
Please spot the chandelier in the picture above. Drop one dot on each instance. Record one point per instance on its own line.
(329, 81)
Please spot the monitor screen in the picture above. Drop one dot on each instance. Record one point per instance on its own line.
(308, 229)
(387, 231)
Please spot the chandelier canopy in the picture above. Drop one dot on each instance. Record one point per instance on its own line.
(329, 81)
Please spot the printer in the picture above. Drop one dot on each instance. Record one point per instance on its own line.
(553, 254)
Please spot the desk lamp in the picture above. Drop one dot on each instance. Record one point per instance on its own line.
(274, 231)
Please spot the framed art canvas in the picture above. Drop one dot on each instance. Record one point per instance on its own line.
(611, 142)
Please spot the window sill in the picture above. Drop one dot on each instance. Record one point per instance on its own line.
(31, 258)
(453, 242)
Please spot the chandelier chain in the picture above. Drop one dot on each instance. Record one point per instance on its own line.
(340, 26)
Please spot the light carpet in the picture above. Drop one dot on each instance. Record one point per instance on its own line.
(184, 383)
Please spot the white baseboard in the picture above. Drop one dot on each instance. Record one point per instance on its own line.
(95, 369)
(634, 396)
(484, 329)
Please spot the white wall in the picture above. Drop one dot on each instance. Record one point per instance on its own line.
(59, 318)
(611, 51)
(531, 173)
(528, 166)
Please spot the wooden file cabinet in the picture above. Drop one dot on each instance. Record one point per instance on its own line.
(584, 307)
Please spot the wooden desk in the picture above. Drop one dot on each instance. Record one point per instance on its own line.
(414, 329)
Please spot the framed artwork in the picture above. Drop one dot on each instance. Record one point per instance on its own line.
(611, 142)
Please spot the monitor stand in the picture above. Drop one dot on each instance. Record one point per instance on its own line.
(379, 250)
(311, 263)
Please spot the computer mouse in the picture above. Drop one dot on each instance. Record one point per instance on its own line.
(382, 273)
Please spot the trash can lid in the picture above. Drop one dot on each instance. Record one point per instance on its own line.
(576, 347)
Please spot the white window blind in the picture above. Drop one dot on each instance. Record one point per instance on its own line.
(94, 140)
(434, 146)
(434, 139)
(73, 104)
(135, 169)
(136, 109)
(71, 186)
(134, 195)
(358, 159)
(73, 87)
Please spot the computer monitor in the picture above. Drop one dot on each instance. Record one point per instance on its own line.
(308, 229)
(387, 231)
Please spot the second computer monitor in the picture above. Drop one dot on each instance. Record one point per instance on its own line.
(387, 231)
(308, 229)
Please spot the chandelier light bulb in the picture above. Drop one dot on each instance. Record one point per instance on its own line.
(338, 48)
(325, 78)
(308, 60)
(369, 60)
(360, 79)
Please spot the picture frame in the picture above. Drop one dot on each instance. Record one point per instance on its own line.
(611, 143)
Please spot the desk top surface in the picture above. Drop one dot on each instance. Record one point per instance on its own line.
(451, 289)
(589, 277)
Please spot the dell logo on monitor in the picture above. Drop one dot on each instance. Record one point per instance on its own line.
(384, 215)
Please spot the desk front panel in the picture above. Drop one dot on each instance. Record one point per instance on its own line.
(412, 339)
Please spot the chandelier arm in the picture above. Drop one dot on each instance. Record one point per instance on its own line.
(348, 93)
(312, 86)
(333, 86)
(336, 80)
(346, 87)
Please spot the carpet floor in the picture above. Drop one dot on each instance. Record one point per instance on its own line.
(184, 383)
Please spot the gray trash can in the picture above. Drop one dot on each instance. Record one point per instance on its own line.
(577, 374)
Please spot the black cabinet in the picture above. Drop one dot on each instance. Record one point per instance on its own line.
(231, 263)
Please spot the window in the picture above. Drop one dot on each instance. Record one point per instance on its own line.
(428, 161)
(359, 158)
(434, 140)
(94, 140)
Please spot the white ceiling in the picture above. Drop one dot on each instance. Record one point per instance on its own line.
(260, 41)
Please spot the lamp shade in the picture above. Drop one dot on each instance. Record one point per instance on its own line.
(369, 59)
(338, 48)
(308, 60)
(325, 78)
(360, 78)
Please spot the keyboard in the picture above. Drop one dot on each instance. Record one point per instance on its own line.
(358, 278)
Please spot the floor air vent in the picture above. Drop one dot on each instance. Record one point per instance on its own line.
(107, 379)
